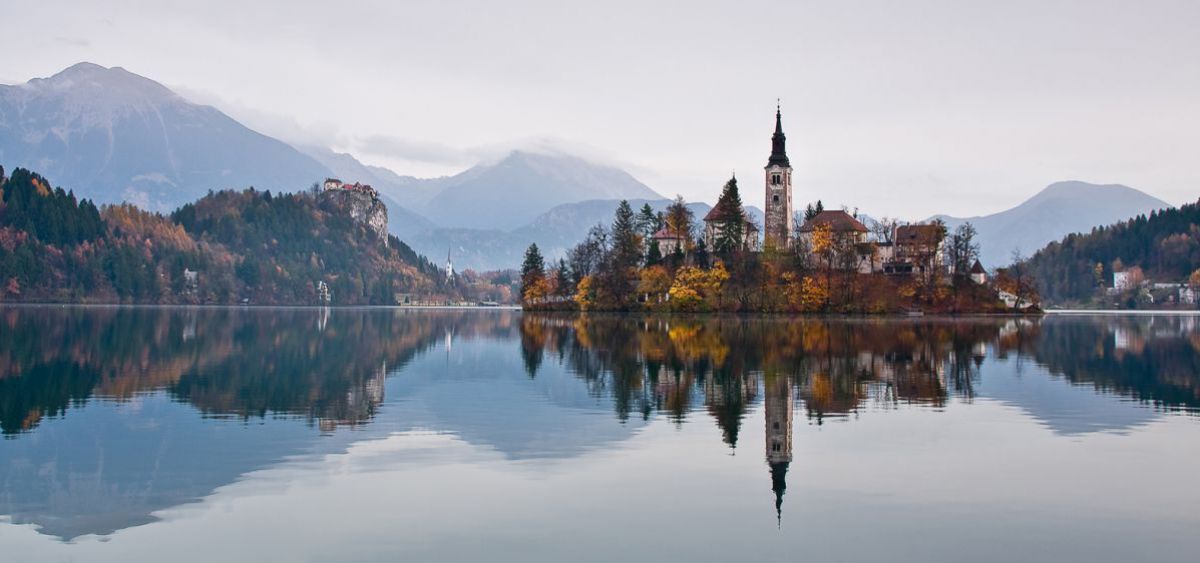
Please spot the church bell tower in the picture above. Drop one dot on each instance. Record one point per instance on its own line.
(777, 229)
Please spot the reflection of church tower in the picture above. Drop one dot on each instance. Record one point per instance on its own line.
(778, 407)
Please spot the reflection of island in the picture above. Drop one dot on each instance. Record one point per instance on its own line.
(99, 405)
(838, 367)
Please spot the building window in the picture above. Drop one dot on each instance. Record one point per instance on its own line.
(775, 198)
(774, 179)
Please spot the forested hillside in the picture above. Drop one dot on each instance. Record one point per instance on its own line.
(227, 247)
(1164, 247)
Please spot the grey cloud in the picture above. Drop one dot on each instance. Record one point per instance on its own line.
(73, 41)
(417, 151)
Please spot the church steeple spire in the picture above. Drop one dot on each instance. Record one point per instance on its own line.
(778, 152)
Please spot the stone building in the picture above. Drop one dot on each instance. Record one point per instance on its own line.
(720, 218)
(777, 222)
(840, 223)
(668, 240)
(920, 249)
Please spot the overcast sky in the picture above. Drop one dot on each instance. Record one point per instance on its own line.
(902, 108)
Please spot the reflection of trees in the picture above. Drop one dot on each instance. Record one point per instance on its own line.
(836, 366)
(670, 364)
(1155, 360)
(325, 366)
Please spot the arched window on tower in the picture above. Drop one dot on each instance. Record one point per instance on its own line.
(774, 179)
(775, 198)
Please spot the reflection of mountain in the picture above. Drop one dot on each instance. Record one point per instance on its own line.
(102, 401)
(482, 394)
(138, 446)
(99, 405)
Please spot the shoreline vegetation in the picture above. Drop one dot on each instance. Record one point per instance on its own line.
(624, 268)
(312, 247)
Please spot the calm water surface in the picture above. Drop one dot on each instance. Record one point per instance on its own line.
(383, 435)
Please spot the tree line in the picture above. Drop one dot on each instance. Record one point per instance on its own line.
(228, 247)
(624, 267)
(1163, 246)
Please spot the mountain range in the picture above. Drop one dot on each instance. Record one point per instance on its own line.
(1060, 209)
(113, 136)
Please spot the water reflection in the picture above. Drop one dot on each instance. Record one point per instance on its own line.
(113, 414)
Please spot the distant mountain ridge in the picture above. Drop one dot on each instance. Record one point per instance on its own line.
(518, 188)
(1058, 210)
(114, 136)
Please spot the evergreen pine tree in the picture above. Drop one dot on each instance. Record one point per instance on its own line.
(533, 268)
(626, 243)
(812, 210)
(653, 255)
(731, 218)
(562, 279)
(647, 222)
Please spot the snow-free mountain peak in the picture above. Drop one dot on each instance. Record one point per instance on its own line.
(1057, 210)
(112, 136)
(513, 191)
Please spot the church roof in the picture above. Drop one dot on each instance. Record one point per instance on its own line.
(978, 268)
(778, 140)
(838, 220)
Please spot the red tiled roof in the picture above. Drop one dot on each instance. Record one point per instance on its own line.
(919, 234)
(719, 213)
(839, 220)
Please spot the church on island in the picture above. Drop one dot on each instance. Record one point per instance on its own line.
(887, 249)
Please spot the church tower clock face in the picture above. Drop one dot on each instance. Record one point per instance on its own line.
(778, 221)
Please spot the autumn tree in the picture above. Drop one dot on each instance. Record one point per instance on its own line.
(680, 220)
(654, 283)
(696, 289)
(533, 269)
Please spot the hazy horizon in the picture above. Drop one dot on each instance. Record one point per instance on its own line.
(931, 107)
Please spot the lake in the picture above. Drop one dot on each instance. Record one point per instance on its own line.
(207, 434)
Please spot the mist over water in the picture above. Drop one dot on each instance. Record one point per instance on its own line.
(379, 434)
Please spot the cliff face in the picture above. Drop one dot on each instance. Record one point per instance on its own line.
(365, 209)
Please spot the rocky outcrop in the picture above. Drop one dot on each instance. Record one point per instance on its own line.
(364, 208)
